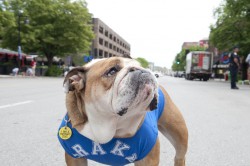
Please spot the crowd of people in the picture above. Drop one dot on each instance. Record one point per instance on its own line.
(26, 71)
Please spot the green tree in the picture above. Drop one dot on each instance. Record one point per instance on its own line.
(7, 19)
(232, 26)
(143, 62)
(56, 27)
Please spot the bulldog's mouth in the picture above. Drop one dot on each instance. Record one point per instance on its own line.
(153, 104)
(136, 88)
(149, 89)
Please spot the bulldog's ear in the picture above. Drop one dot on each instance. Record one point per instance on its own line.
(74, 80)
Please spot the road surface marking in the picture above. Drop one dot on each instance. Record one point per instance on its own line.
(16, 104)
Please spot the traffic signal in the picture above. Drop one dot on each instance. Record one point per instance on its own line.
(177, 62)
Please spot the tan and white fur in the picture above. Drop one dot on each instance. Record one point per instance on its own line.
(109, 98)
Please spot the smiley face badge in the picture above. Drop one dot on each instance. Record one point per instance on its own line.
(65, 133)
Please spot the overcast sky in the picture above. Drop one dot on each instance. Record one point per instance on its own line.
(156, 29)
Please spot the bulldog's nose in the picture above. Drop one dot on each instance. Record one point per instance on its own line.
(123, 111)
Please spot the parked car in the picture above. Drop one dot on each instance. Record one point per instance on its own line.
(158, 74)
(181, 74)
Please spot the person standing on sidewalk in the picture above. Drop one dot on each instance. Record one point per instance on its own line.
(248, 63)
(248, 60)
(234, 66)
(33, 67)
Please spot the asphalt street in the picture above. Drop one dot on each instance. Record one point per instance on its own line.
(218, 120)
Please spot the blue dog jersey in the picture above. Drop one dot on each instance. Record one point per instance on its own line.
(118, 151)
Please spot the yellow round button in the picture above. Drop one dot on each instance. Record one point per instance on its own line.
(65, 133)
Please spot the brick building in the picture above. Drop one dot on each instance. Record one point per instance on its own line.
(201, 43)
(107, 43)
(187, 45)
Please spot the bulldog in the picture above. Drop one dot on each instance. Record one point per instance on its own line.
(114, 110)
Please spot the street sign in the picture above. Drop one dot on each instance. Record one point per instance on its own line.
(19, 52)
(87, 58)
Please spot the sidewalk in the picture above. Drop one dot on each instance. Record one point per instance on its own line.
(18, 76)
(241, 82)
(6, 76)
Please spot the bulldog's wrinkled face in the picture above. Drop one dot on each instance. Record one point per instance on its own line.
(118, 86)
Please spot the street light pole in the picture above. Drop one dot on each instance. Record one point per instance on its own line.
(19, 48)
(19, 40)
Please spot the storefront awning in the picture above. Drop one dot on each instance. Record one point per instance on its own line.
(221, 66)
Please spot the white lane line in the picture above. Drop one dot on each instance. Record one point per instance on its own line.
(16, 104)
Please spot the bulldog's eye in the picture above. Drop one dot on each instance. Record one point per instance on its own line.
(112, 71)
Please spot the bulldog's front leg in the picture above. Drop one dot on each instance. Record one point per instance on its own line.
(172, 125)
(153, 158)
(70, 161)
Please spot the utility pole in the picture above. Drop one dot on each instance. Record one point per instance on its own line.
(19, 47)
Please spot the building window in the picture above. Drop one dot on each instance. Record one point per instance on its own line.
(110, 36)
(100, 52)
(106, 44)
(106, 33)
(110, 55)
(100, 41)
(101, 29)
(106, 54)
(114, 48)
(110, 45)
(114, 39)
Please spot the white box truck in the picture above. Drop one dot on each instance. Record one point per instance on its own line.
(199, 65)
